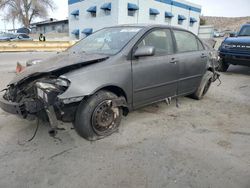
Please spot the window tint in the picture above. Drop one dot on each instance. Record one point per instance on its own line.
(186, 42)
(161, 40)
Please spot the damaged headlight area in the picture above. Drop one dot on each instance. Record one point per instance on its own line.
(49, 89)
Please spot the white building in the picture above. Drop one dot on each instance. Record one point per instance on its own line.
(86, 16)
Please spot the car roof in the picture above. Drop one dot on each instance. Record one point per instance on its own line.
(149, 26)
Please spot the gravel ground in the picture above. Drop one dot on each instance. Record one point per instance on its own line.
(201, 144)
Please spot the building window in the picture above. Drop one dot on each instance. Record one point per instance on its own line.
(180, 22)
(131, 13)
(92, 11)
(168, 20)
(132, 8)
(53, 28)
(168, 17)
(106, 7)
(153, 12)
(107, 12)
(76, 14)
(76, 33)
(181, 19)
(192, 22)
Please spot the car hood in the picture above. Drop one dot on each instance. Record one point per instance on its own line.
(59, 64)
(238, 40)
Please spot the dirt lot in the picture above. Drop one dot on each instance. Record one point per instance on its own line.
(201, 144)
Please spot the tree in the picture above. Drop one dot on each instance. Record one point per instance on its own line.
(25, 11)
(203, 21)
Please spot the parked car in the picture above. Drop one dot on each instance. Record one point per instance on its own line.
(15, 37)
(218, 34)
(109, 73)
(6, 36)
(235, 50)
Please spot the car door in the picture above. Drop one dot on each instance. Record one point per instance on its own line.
(155, 77)
(192, 61)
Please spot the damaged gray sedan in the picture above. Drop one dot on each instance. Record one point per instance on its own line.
(109, 73)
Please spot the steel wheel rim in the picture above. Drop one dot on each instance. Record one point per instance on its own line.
(104, 118)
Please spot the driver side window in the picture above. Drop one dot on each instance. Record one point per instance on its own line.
(160, 39)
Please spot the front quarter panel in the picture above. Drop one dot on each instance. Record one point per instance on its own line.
(116, 71)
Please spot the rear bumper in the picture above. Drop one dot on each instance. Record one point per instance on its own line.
(12, 107)
(235, 58)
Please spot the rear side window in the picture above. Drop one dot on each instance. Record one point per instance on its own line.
(160, 39)
(186, 42)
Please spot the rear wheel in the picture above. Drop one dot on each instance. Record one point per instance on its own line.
(204, 86)
(96, 118)
(223, 66)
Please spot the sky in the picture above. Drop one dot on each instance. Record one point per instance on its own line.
(226, 8)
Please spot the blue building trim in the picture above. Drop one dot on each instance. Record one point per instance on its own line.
(169, 2)
(70, 2)
(180, 5)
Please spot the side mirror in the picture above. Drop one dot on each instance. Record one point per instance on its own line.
(145, 51)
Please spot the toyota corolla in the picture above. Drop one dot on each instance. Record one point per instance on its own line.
(109, 73)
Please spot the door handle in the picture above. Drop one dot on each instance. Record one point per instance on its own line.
(173, 61)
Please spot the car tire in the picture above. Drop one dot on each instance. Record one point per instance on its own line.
(223, 67)
(204, 86)
(96, 118)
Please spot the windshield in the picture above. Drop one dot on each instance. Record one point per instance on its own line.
(245, 31)
(106, 41)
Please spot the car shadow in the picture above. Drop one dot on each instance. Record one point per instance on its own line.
(236, 69)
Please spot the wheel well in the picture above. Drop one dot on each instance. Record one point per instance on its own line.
(120, 93)
(116, 90)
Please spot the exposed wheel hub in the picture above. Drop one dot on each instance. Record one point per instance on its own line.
(104, 118)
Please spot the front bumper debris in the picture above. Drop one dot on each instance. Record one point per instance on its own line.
(23, 109)
(12, 107)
